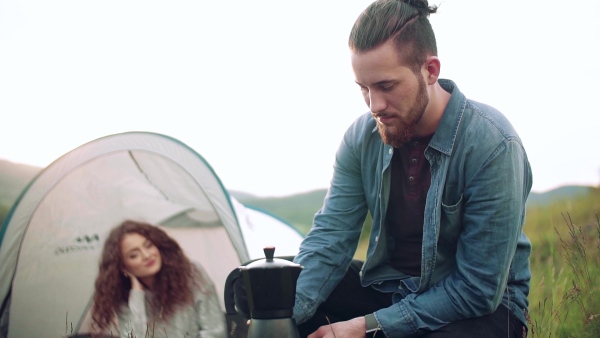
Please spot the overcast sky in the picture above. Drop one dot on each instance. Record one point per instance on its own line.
(263, 90)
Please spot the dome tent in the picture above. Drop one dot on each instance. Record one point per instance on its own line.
(52, 239)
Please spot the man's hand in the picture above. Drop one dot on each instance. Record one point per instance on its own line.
(353, 328)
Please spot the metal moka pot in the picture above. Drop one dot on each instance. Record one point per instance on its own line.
(271, 290)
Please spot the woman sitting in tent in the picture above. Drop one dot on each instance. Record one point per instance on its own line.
(154, 290)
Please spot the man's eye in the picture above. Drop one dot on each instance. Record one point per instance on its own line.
(387, 88)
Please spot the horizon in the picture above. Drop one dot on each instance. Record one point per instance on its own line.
(254, 195)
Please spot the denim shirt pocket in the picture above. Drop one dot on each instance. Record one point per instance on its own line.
(450, 225)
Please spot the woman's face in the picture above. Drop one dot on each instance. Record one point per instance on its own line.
(140, 256)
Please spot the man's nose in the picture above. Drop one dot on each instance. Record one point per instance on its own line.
(376, 102)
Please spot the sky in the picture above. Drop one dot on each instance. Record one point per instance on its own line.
(264, 91)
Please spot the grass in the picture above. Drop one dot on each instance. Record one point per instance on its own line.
(565, 264)
(565, 291)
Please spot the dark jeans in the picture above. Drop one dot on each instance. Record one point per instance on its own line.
(350, 300)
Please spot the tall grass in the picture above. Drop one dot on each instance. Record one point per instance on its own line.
(565, 262)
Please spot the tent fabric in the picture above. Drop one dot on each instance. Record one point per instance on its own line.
(51, 241)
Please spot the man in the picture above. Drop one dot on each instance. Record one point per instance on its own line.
(445, 180)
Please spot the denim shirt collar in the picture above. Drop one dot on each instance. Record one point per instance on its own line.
(445, 136)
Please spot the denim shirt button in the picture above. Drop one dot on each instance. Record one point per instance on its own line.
(391, 151)
(376, 238)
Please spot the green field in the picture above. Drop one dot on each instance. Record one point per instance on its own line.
(565, 263)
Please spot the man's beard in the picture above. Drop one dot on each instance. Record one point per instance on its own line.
(402, 132)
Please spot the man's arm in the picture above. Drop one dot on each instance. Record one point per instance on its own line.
(329, 247)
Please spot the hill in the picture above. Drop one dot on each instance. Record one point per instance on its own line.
(297, 209)
(556, 195)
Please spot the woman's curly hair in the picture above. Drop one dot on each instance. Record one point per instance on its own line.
(174, 282)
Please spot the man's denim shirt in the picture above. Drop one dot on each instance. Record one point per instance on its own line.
(475, 255)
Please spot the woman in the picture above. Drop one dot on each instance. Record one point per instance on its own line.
(146, 280)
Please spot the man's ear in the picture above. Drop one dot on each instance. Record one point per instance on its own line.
(432, 69)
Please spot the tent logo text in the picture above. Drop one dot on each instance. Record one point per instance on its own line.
(83, 243)
(87, 239)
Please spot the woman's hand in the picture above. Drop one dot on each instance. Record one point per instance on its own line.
(135, 283)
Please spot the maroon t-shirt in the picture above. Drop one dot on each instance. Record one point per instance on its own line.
(410, 181)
